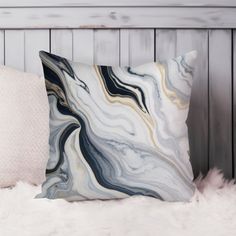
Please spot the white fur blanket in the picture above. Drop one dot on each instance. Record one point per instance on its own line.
(211, 212)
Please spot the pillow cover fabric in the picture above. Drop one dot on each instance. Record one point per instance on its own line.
(24, 129)
(116, 132)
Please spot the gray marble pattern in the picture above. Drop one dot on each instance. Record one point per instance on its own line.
(118, 131)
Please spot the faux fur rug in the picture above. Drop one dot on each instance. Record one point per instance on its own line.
(212, 211)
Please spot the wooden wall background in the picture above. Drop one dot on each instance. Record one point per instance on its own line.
(123, 33)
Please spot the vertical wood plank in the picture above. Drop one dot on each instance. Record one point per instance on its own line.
(35, 40)
(166, 43)
(172, 43)
(220, 95)
(124, 47)
(83, 46)
(2, 45)
(22, 48)
(234, 103)
(137, 46)
(198, 112)
(62, 43)
(106, 47)
(15, 49)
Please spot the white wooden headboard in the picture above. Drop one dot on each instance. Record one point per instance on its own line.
(132, 32)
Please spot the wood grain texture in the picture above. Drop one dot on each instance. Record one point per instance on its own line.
(2, 47)
(166, 44)
(234, 103)
(15, 49)
(172, 43)
(62, 43)
(220, 100)
(198, 112)
(106, 47)
(118, 17)
(63, 3)
(35, 40)
(83, 46)
(22, 49)
(136, 46)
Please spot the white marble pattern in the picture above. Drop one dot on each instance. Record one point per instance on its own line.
(118, 131)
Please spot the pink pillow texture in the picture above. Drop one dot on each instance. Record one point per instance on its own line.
(24, 127)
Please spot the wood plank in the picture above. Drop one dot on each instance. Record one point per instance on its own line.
(22, 48)
(64, 3)
(35, 40)
(198, 112)
(118, 17)
(15, 49)
(2, 50)
(172, 43)
(234, 103)
(137, 46)
(124, 47)
(62, 43)
(166, 42)
(220, 98)
(83, 46)
(106, 47)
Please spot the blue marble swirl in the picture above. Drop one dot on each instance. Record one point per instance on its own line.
(117, 132)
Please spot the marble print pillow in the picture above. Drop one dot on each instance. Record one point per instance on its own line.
(118, 131)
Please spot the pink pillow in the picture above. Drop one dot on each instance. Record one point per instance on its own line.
(24, 127)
